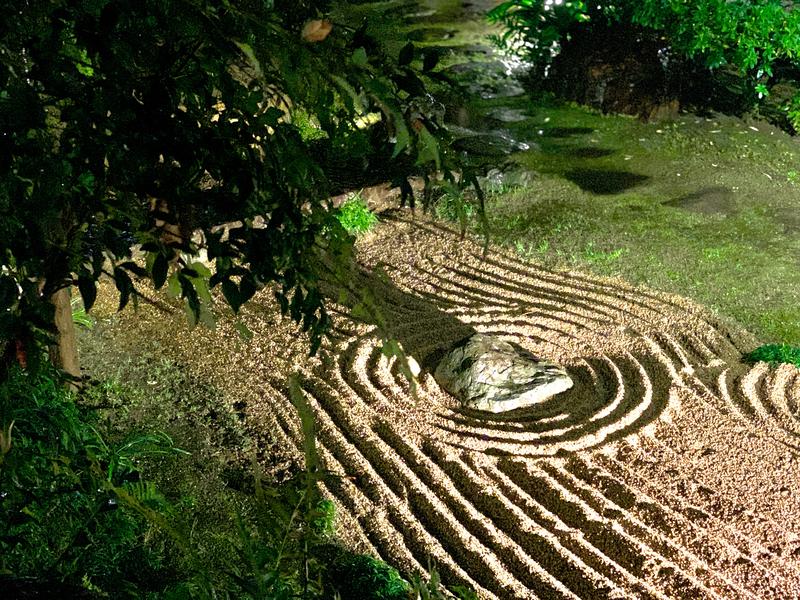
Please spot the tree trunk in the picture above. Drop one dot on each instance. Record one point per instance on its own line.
(64, 353)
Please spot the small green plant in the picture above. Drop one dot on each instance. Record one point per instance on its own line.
(524, 250)
(323, 518)
(432, 588)
(79, 315)
(61, 517)
(529, 251)
(793, 176)
(594, 255)
(307, 125)
(543, 247)
(364, 577)
(775, 354)
(455, 206)
(355, 216)
(715, 253)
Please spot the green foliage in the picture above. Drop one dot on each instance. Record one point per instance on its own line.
(536, 27)
(355, 216)
(454, 206)
(362, 576)
(751, 37)
(80, 316)
(77, 509)
(431, 588)
(324, 519)
(132, 123)
(60, 516)
(593, 255)
(274, 548)
(463, 202)
(775, 354)
(308, 129)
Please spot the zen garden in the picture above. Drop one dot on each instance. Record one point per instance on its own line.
(400, 299)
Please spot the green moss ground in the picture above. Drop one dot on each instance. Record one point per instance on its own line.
(703, 207)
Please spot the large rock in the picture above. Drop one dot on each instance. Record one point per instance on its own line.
(488, 374)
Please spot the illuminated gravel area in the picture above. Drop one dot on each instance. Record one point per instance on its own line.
(669, 470)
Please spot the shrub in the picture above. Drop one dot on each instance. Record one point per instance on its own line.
(454, 206)
(60, 516)
(751, 37)
(355, 216)
(362, 576)
(775, 354)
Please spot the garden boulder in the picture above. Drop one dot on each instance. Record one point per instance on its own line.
(489, 374)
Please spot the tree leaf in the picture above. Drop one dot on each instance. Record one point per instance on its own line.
(359, 57)
(231, 293)
(428, 150)
(409, 82)
(159, 270)
(201, 270)
(201, 286)
(402, 138)
(125, 286)
(247, 50)
(192, 299)
(430, 59)
(406, 55)
(134, 268)
(88, 290)
(353, 100)
(174, 285)
(8, 292)
(247, 288)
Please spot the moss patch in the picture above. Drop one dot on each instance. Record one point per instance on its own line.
(775, 354)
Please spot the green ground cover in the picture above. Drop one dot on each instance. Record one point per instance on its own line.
(775, 354)
(706, 207)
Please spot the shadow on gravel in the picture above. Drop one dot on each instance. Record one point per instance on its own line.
(401, 311)
(609, 399)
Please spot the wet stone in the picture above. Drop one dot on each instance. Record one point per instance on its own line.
(491, 144)
(490, 79)
(505, 114)
(498, 180)
(430, 34)
(489, 374)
